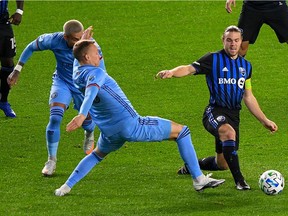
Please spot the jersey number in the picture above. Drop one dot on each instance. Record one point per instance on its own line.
(13, 43)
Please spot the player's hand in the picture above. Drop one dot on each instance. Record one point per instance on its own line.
(270, 125)
(228, 5)
(88, 33)
(164, 74)
(15, 19)
(13, 78)
(75, 123)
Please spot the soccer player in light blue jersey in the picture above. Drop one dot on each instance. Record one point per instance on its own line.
(63, 89)
(119, 122)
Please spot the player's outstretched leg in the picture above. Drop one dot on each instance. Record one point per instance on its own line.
(83, 168)
(188, 154)
(204, 182)
(63, 190)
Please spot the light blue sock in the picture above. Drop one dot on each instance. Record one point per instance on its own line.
(187, 152)
(53, 130)
(88, 125)
(83, 168)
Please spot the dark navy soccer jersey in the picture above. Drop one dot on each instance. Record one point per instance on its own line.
(225, 78)
(3, 7)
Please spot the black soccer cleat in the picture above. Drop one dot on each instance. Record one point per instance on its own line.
(242, 185)
(183, 170)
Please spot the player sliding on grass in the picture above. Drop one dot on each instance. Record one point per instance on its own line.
(63, 89)
(119, 122)
(228, 78)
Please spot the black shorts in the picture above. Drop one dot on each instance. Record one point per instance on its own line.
(251, 21)
(214, 117)
(7, 41)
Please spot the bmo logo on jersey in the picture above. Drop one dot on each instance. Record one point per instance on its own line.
(232, 81)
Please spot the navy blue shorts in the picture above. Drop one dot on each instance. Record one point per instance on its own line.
(214, 117)
(251, 21)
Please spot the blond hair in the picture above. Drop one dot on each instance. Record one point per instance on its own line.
(72, 26)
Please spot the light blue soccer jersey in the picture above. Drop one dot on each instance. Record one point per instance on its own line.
(63, 54)
(111, 110)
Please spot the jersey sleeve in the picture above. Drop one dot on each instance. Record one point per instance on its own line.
(95, 79)
(204, 64)
(90, 94)
(43, 42)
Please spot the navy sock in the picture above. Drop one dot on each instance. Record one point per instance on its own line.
(208, 163)
(231, 157)
(4, 87)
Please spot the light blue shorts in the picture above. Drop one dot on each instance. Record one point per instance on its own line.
(142, 129)
(62, 92)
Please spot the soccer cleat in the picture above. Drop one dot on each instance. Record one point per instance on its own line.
(64, 189)
(242, 185)
(183, 170)
(49, 168)
(207, 182)
(88, 144)
(5, 106)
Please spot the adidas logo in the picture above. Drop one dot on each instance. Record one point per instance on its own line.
(225, 69)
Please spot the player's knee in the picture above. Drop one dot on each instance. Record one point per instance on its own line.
(227, 132)
(56, 115)
(176, 130)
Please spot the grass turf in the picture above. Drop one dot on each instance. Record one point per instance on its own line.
(139, 39)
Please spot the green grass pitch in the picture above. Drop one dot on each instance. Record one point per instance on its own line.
(139, 39)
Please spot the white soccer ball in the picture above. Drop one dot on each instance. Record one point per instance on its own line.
(271, 182)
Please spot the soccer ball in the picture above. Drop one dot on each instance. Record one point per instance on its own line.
(271, 182)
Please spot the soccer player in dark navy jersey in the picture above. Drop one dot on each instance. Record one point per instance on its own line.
(119, 122)
(254, 14)
(7, 51)
(62, 89)
(228, 78)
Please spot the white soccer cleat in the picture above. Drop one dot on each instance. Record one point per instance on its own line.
(207, 182)
(88, 144)
(64, 189)
(49, 168)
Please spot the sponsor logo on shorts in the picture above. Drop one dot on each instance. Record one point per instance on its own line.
(220, 118)
(54, 95)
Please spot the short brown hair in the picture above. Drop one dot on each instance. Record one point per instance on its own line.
(80, 48)
(232, 28)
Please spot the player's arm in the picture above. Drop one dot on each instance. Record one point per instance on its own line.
(16, 18)
(179, 71)
(24, 57)
(228, 5)
(253, 106)
(90, 93)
